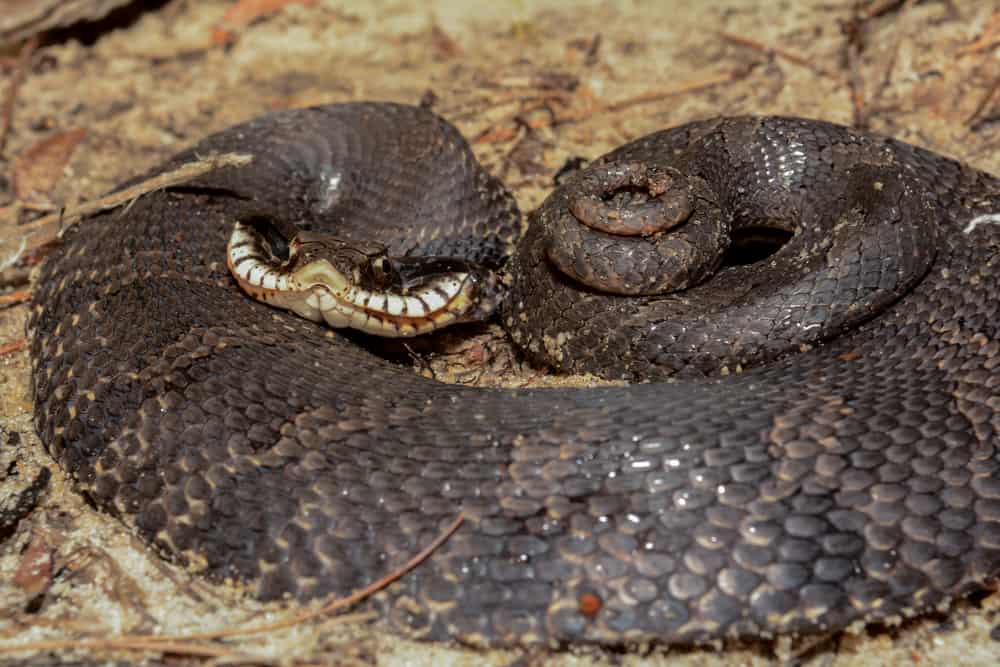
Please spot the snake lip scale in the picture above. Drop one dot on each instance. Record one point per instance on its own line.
(809, 441)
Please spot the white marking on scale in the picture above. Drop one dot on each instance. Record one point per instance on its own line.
(434, 300)
(394, 304)
(415, 307)
(454, 287)
(359, 296)
(260, 269)
(377, 303)
(241, 252)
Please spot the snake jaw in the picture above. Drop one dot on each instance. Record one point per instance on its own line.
(389, 297)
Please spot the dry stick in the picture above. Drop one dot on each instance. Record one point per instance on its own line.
(853, 45)
(774, 50)
(15, 83)
(50, 227)
(14, 298)
(136, 643)
(498, 132)
(907, 5)
(984, 103)
(987, 40)
(336, 603)
(855, 84)
(663, 93)
(981, 44)
(904, 12)
(879, 7)
(657, 95)
(179, 643)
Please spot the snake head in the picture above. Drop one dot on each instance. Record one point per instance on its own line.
(358, 285)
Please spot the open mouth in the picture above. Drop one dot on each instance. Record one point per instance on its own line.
(430, 294)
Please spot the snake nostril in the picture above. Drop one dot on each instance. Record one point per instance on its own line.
(750, 245)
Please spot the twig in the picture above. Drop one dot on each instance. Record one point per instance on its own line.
(335, 604)
(23, 59)
(14, 298)
(591, 57)
(853, 45)
(657, 95)
(907, 5)
(182, 644)
(510, 128)
(977, 115)
(50, 227)
(774, 51)
(520, 121)
(879, 7)
(136, 643)
(989, 39)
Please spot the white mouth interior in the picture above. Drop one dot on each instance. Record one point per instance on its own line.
(319, 292)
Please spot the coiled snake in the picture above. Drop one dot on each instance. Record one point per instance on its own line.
(819, 446)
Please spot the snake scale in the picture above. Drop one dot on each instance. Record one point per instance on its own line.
(819, 445)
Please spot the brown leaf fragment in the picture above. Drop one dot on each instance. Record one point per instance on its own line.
(39, 168)
(986, 41)
(34, 574)
(242, 13)
(444, 44)
(10, 347)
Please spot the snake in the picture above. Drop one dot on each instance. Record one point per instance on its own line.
(798, 322)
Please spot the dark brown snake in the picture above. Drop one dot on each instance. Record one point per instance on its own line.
(826, 450)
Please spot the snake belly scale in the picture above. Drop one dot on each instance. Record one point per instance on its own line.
(842, 476)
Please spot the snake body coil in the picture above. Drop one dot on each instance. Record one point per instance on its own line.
(850, 472)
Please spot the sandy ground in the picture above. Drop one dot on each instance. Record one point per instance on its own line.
(532, 84)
